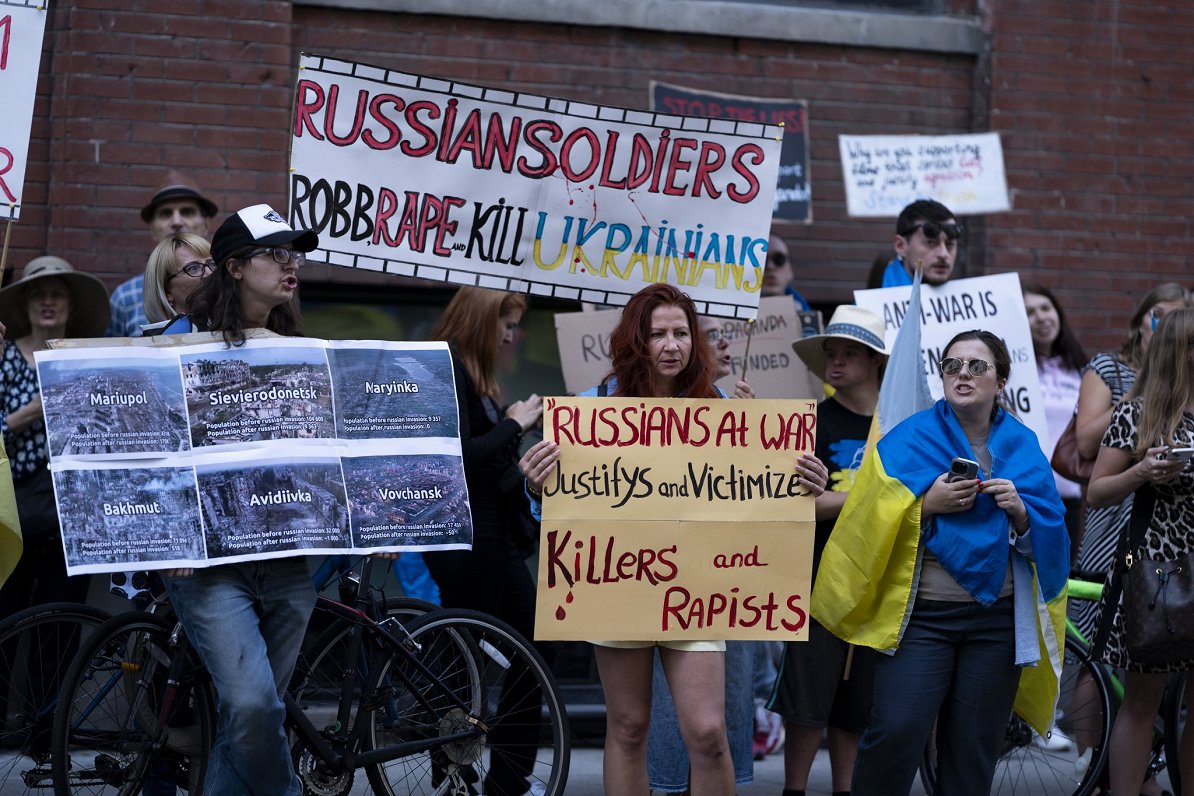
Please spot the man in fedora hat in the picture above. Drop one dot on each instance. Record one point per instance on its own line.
(177, 207)
(810, 693)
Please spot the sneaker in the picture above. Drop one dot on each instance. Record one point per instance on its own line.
(1057, 741)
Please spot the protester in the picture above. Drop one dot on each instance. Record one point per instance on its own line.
(1159, 415)
(926, 233)
(51, 300)
(176, 268)
(246, 620)
(941, 572)
(1059, 363)
(493, 576)
(779, 280)
(667, 761)
(177, 207)
(1107, 379)
(653, 355)
(824, 684)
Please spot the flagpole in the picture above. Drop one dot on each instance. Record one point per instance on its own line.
(750, 332)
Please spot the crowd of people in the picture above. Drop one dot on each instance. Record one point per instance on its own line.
(928, 579)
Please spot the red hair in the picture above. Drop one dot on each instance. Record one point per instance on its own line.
(630, 353)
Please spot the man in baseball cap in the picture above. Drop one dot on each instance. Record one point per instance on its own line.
(177, 207)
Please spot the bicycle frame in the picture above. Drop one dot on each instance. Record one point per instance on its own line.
(362, 623)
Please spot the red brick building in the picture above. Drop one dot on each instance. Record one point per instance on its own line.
(1093, 101)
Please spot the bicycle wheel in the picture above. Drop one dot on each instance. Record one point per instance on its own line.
(1031, 766)
(136, 711)
(510, 699)
(36, 647)
(317, 683)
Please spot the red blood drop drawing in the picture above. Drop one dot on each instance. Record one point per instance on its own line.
(560, 613)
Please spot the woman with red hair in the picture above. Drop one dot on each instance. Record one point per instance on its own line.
(655, 353)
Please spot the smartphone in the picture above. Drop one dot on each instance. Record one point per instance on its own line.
(1185, 454)
(962, 470)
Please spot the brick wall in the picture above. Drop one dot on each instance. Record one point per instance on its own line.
(1094, 103)
(1092, 100)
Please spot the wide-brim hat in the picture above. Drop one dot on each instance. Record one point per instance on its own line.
(848, 323)
(89, 310)
(179, 188)
(259, 225)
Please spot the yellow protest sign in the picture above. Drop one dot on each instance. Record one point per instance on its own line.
(676, 519)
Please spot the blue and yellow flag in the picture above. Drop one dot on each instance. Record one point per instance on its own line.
(11, 545)
(864, 587)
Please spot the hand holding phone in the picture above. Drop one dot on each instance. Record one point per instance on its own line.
(1183, 454)
(962, 470)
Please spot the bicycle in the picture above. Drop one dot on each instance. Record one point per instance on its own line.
(438, 703)
(1089, 693)
(33, 642)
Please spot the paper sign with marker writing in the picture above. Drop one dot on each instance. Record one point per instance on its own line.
(443, 180)
(884, 173)
(676, 519)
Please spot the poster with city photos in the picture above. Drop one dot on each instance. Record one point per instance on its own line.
(419, 499)
(113, 401)
(393, 390)
(273, 507)
(252, 393)
(114, 516)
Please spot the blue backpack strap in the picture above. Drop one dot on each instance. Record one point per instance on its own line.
(602, 390)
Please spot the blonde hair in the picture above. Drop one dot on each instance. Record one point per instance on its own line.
(161, 266)
(1163, 388)
(470, 325)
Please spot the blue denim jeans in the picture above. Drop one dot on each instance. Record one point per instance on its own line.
(667, 759)
(246, 621)
(955, 665)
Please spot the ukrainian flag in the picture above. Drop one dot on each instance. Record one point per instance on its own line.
(864, 588)
(11, 544)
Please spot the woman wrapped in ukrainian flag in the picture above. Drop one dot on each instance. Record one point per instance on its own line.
(961, 580)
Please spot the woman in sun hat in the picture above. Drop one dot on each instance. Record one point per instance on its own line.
(51, 300)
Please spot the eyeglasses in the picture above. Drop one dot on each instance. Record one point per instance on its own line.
(952, 366)
(932, 229)
(283, 256)
(714, 336)
(778, 259)
(194, 268)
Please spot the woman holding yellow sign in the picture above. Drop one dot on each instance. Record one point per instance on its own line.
(653, 355)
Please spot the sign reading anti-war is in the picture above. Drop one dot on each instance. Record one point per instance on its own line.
(444, 180)
(993, 303)
(204, 454)
(22, 28)
(676, 518)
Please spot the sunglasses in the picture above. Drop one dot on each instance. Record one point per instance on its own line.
(932, 230)
(778, 259)
(194, 268)
(283, 256)
(952, 366)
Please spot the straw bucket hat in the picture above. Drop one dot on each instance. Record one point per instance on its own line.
(89, 310)
(848, 323)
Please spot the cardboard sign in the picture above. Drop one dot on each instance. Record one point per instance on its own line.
(793, 194)
(447, 181)
(772, 369)
(670, 519)
(993, 303)
(22, 27)
(885, 173)
(197, 455)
